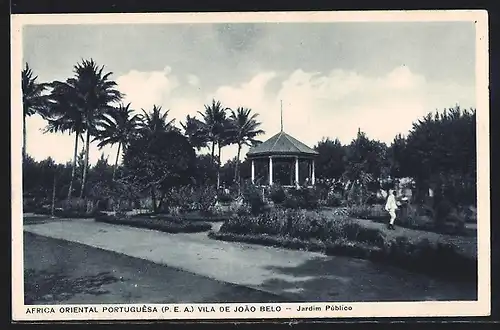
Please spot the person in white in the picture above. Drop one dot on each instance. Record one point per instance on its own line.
(391, 206)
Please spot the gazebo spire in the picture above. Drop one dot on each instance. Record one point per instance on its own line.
(281, 115)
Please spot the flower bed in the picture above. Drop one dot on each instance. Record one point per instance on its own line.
(309, 230)
(194, 216)
(61, 213)
(160, 224)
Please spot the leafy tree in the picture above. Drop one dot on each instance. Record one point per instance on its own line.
(102, 185)
(440, 153)
(159, 162)
(118, 126)
(397, 158)
(365, 159)
(43, 179)
(227, 171)
(195, 131)
(101, 171)
(330, 161)
(245, 129)
(365, 162)
(92, 94)
(205, 171)
(34, 99)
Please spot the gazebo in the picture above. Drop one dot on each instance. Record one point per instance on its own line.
(283, 146)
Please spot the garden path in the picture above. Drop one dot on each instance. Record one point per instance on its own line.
(297, 275)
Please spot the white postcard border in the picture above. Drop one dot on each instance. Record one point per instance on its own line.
(481, 307)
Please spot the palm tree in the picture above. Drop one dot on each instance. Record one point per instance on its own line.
(64, 116)
(34, 100)
(246, 128)
(214, 119)
(216, 128)
(92, 92)
(118, 126)
(154, 121)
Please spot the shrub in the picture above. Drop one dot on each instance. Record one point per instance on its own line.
(204, 198)
(334, 199)
(75, 205)
(376, 213)
(291, 202)
(302, 224)
(374, 199)
(173, 225)
(223, 197)
(182, 198)
(442, 210)
(434, 258)
(304, 198)
(238, 224)
(254, 198)
(277, 194)
(356, 232)
(298, 224)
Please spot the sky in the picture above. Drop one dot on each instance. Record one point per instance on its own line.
(332, 78)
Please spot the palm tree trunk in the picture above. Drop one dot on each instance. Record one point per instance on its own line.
(213, 158)
(116, 161)
(236, 167)
(213, 150)
(52, 208)
(73, 169)
(218, 167)
(24, 136)
(153, 200)
(86, 164)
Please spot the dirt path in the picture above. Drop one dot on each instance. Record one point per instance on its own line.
(55, 273)
(297, 275)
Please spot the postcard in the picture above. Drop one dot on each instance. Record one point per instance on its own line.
(250, 165)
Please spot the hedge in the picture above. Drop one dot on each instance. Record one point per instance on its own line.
(164, 225)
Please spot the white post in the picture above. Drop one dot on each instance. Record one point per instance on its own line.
(253, 172)
(297, 171)
(313, 180)
(270, 171)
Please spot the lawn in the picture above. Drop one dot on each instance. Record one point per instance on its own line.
(466, 244)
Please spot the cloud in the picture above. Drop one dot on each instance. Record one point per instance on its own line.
(145, 89)
(315, 105)
(337, 103)
(193, 80)
(59, 146)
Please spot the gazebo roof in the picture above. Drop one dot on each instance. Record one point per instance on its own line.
(281, 144)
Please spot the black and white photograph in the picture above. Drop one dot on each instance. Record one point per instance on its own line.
(250, 165)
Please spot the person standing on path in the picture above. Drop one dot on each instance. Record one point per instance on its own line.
(391, 206)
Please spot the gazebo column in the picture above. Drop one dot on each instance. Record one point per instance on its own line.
(296, 171)
(270, 170)
(253, 172)
(313, 179)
